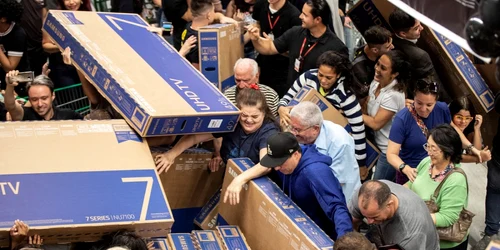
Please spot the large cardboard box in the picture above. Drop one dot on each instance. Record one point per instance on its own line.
(181, 241)
(189, 185)
(220, 46)
(267, 217)
(233, 238)
(144, 78)
(455, 69)
(74, 181)
(207, 218)
(207, 240)
(330, 113)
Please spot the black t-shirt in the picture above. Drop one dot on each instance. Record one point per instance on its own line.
(274, 66)
(59, 114)
(13, 43)
(363, 70)
(496, 140)
(3, 112)
(127, 6)
(292, 41)
(240, 144)
(31, 22)
(174, 10)
(193, 55)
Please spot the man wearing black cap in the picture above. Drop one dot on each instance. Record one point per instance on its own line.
(308, 180)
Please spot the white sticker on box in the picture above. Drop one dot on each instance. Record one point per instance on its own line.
(215, 123)
(223, 33)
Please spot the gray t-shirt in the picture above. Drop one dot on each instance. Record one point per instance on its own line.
(411, 227)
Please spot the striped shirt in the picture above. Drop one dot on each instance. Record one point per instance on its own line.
(342, 99)
(271, 97)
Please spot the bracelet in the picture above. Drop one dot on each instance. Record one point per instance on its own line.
(469, 148)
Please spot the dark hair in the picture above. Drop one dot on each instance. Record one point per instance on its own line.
(340, 63)
(374, 190)
(426, 87)
(353, 240)
(254, 97)
(200, 6)
(400, 65)
(122, 238)
(377, 35)
(448, 140)
(11, 10)
(466, 104)
(41, 80)
(400, 21)
(84, 6)
(242, 5)
(320, 8)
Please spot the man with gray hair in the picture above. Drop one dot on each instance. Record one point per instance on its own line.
(246, 75)
(307, 124)
(40, 95)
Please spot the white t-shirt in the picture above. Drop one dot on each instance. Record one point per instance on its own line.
(388, 99)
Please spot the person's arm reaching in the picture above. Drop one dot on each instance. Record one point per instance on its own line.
(165, 160)
(232, 193)
(15, 109)
(264, 45)
(378, 121)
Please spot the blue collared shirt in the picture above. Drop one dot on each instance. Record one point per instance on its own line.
(335, 142)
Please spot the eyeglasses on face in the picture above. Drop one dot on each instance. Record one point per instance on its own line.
(297, 130)
(431, 149)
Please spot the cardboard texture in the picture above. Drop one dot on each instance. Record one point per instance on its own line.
(267, 217)
(77, 185)
(160, 244)
(181, 241)
(455, 69)
(133, 69)
(494, 245)
(189, 183)
(207, 218)
(207, 240)
(232, 238)
(220, 46)
(330, 113)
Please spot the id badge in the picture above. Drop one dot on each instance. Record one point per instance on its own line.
(271, 36)
(297, 65)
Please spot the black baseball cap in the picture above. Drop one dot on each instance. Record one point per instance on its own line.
(280, 147)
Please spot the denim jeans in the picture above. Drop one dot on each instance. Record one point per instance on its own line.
(384, 170)
(492, 219)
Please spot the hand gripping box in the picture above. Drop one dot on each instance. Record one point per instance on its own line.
(153, 87)
(189, 185)
(220, 46)
(233, 238)
(73, 181)
(267, 217)
(181, 241)
(454, 68)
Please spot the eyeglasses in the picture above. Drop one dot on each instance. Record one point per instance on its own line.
(296, 130)
(424, 86)
(431, 149)
(464, 118)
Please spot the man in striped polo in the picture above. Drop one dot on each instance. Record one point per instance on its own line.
(246, 73)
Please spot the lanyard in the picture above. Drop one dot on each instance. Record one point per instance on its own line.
(302, 48)
(272, 25)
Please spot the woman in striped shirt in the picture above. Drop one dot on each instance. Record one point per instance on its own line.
(332, 79)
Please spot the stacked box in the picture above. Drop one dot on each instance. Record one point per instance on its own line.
(181, 241)
(233, 238)
(207, 240)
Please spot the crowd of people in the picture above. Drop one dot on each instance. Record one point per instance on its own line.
(388, 91)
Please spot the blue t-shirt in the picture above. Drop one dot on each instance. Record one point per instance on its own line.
(406, 132)
(240, 144)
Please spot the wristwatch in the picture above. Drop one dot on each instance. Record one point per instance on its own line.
(401, 167)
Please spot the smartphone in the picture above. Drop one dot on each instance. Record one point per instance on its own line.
(167, 28)
(26, 76)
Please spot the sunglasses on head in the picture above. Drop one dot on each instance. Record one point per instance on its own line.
(425, 86)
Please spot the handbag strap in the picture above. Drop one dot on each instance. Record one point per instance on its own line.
(419, 121)
(455, 169)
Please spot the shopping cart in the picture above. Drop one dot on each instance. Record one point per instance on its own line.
(71, 97)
